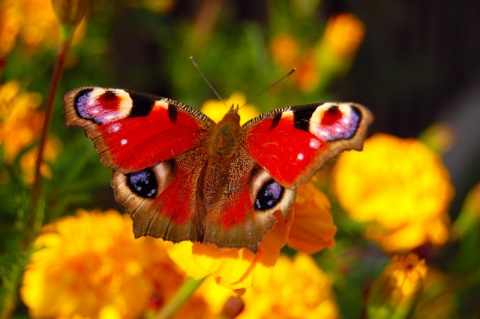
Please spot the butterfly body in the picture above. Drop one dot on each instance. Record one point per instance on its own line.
(182, 176)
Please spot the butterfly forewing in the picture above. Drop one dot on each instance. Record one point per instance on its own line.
(293, 143)
(133, 131)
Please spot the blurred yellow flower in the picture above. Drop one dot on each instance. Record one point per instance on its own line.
(398, 185)
(20, 125)
(297, 288)
(240, 268)
(90, 265)
(343, 35)
(32, 22)
(216, 109)
(397, 288)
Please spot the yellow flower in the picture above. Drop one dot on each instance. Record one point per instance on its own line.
(216, 109)
(398, 185)
(240, 268)
(297, 289)
(20, 126)
(397, 289)
(90, 265)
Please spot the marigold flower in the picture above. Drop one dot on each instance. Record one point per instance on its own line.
(297, 288)
(90, 265)
(307, 295)
(20, 125)
(398, 185)
(215, 109)
(396, 290)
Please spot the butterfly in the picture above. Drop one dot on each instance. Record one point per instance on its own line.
(183, 177)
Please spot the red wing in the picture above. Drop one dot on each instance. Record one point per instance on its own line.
(165, 200)
(132, 131)
(293, 143)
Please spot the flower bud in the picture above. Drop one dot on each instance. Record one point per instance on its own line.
(69, 14)
(395, 292)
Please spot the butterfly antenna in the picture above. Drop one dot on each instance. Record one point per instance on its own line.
(270, 86)
(206, 80)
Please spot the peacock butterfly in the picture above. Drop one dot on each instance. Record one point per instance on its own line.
(182, 176)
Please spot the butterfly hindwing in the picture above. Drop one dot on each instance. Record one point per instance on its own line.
(293, 143)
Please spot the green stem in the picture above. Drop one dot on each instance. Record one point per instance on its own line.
(32, 222)
(180, 297)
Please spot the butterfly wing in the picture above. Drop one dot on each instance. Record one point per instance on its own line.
(132, 131)
(293, 143)
(153, 144)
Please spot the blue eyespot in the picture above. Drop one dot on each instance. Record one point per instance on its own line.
(143, 183)
(269, 195)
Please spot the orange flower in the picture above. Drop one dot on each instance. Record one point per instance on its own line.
(398, 185)
(20, 125)
(90, 265)
(343, 35)
(331, 56)
(312, 229)
(284, 50)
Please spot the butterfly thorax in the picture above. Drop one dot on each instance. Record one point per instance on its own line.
(224, 140)
(223, 150)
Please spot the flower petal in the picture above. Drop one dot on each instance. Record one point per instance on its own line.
(312, 229)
